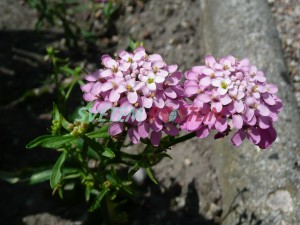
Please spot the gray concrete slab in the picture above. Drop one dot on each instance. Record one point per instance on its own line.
(258, 187)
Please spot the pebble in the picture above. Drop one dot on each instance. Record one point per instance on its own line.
(187, 162)
(281, 200)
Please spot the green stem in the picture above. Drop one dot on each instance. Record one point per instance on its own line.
(70, 88)
(182, 139)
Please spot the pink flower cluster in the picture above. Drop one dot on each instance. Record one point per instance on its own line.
(221, 95)
(232, 94)
(135, 83)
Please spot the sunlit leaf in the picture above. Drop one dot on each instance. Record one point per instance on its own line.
(51, 141)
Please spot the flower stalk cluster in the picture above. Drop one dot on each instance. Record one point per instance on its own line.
(152, 98)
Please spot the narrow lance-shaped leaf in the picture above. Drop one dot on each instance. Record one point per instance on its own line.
(150, 174)
(57, 170)
(108, 153)
(101, 132)
(51, 141)
(96, 203)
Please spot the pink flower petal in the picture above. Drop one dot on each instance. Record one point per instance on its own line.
(208, 71)
(264, 122)
(203, 132)
(239, 106)
(96, 89)
(225, 100)
(205, 81)
(155, 138)
(140, 115)
(171, 130)
(263, 110)
(209, 60)
(268, 98)
(216, 107)
(133, 135)
(114, 96)
(271, 88)
(144, 129)
(147, 102)
(238, 138)
(132, 97)
(237, 121)
(198, 69)
(221, 124)
(115, 128)
(191, 75)
(93, 76)
(87, 87)
(191, 90)
(170, 93)
(106, 86)
(172, 68)
(106, 73)
(89, 97)
(253, 135)
(268, 136)
(204, 97)
(249, 113)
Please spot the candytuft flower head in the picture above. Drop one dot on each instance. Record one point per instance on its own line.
(230, 94)
(129, 87)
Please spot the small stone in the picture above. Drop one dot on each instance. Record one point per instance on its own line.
(289, 41)
(187, 162)
(184, 24)
(297, 78)
(281, 200)
(140, 176)
(115, 39)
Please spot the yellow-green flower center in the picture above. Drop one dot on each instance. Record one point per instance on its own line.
(223, 84)
(150, 80)
(129, 88)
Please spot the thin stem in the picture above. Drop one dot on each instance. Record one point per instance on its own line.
(182, 139)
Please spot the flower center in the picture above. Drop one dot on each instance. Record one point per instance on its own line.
(114, 85)
(226, 67)
(150, 80)
(224, 85)
(254, 88)
(213, 75)
(129, 88)
(155, 69)
(129, 59)
(114, 69)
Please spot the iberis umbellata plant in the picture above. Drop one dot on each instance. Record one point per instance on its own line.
(136, 97)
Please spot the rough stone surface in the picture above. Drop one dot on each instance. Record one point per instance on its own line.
(253, 180)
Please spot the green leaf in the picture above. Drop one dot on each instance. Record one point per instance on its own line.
(99, 133)
(39, 177)
(108, 153)
(51, 141)
(56, 114)
(93, 154)
(29, 176)
(96, 146)
(96, 203)
(150, 175)
(57, 170)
